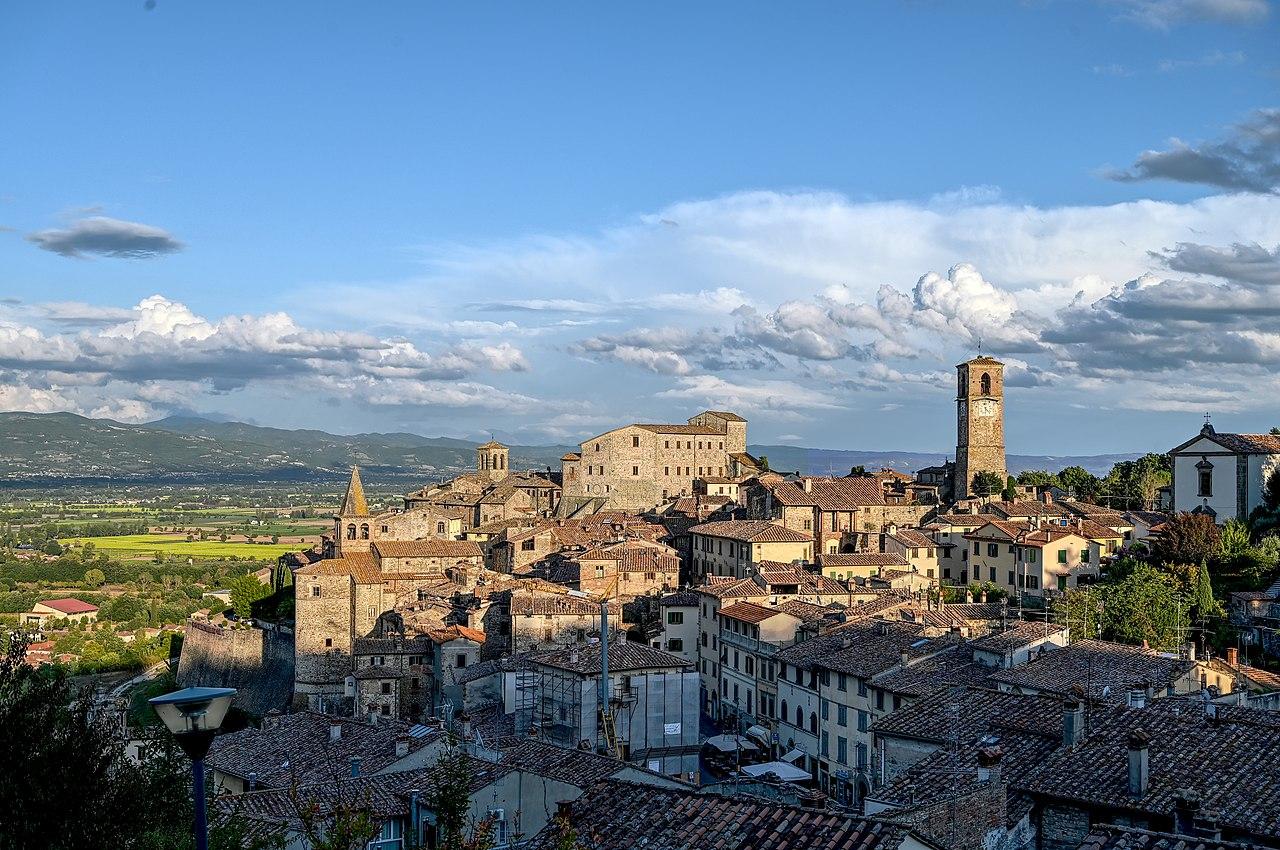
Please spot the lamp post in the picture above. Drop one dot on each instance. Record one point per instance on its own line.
(194, 716)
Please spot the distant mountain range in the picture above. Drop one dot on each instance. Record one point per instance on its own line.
(63, 446)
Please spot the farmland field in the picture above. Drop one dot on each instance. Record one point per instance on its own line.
(176, 544)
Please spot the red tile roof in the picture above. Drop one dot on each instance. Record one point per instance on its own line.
(70, 606)
(428, 549)
(750, 531)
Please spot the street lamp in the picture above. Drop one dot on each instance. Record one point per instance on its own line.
(194, 716)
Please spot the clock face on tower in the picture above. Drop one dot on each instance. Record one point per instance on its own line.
(984, 407)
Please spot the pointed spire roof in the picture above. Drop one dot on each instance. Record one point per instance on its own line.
(353, 504)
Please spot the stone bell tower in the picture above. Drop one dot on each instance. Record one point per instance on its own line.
(979, 422)
(491, 460)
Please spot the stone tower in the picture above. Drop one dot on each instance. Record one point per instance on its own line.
(979, 422)
(351, 525)
(491, 460)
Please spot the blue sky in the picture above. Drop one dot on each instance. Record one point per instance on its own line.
(541, 219)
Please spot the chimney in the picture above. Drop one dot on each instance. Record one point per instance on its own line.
(271, 720)
(806, 484)
(564, 808)
(811, 800)
(335, 730)
(355, 765)
(1072, 722)
(373, 717)
(402, 746)
(1233, 656)
(1139, 766)
(1048, 496)
(1137, 695)
(1207, 826)
(1186, 810)
(253, 780)
(989, 759)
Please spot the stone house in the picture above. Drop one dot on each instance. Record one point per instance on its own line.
(638, 467)
(734, 548)
(541, 621)
(73, 610)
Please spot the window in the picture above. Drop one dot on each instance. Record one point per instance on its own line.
(993, 574)
(813, 723)
(328, 642)
(825, 707)
(528, 545)
(842, 715)
(783, 714)
(315, 590)
(1010, 578)
(1205, 477)
(1031, 556)
(879, 699)
(666, 470)
(675, 618)
(799, 718)
(666, 444)
(635, 442)
(351, 532)
(364, 531)
(384, 529)
(1084, 556)
(635, 470)
(439, 528)
(808, 525)
(842, 750)
(993, 550)
(461, 660)
(976, 550)
(825, 746)
(597, 447)
(986, 384)
(386, 709)
(842, 682)
(1062, 556)
(862, 687)
(386, 687)
(862, 720)
(675, 645)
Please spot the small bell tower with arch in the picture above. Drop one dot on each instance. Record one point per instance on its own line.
(979, 422)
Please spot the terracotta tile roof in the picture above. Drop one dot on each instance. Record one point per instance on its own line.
(951, 667)
(863, 559)
(69, 606)
(806, 611)
(386, 795)
(912, 537)
(557, 605)
(621, 815)
(681, 599)
(749, 612)
(1094, 666)
(975, 710)
(863, 648)
(706, 430)
(359, 565)
(726, 415)
(449, 633)
(1018, 635)
(832, 494)
(751, 531)
(1260, 444)
(731, 588)
(574, 767)
(428, 549)
(975, 612)
(1112, 837)
(771, 574)
(1023, 507)
(967, 520)
(1230, 760)
(1007, 528)
(623, 655)
(299, 748)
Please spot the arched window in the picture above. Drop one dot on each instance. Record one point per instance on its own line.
(986, 384)
(351, 532)
(364, 531)
(799, 717)
(813, 722)
(784, 710)
(439, 528)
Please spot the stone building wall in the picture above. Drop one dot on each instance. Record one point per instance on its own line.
(416, 523)
(979, 421)
(258, 663)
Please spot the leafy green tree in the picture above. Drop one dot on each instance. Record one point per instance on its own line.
(1233, 539)
(246, 590)
(1010, 492)
(986, 483)
(52, 547)
(1079, 482)
(450, 799)
(1203, 603)
(94, 578)
(858, 471)
(1144, 606)
(1188, 539)
(764, 463)
(1037, 478)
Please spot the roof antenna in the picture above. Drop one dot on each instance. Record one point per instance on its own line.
(979, 346)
